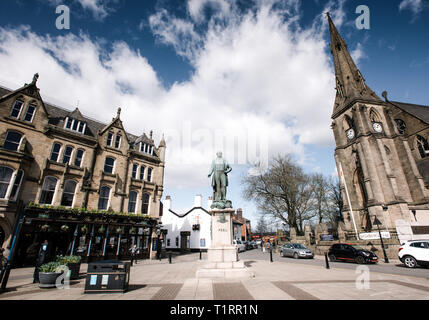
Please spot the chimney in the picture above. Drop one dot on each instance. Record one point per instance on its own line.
(240, 213)
(167, 203)
(198, 201)
(209, 203)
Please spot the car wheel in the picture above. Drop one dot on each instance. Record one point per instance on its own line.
(360, 260)
(332, 258)
(295, 255)
(410, 262)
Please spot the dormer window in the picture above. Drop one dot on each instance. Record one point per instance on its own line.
(146, 148)
(74, 125)
(16, 109)
(118, 141)
(29, 115)
(109, 139)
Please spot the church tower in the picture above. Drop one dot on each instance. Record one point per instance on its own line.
(378, 162)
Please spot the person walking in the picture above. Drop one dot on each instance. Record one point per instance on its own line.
(41, 258)
(133, 254)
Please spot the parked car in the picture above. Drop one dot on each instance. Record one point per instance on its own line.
(258, 242)
(351, 252)
(249, 245)
(414, 252)
(255, 244)
(239, 245)
(296, 250)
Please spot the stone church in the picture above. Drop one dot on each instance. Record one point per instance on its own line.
(383, 150)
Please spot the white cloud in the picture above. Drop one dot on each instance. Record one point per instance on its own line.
(415, 6)
(255, 79)
(98, 8)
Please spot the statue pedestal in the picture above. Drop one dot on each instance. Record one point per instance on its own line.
(222, 255)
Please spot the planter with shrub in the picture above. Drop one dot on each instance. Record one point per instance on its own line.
(49, 273)
(73, 263)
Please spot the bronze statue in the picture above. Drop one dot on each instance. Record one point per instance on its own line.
(219, 172)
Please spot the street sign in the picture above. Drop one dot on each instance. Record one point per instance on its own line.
(374, 235)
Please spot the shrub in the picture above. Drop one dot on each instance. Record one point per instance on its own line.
(68, 259)
(50, 267)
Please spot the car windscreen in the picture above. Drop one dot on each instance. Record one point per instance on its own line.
(299, 246)
(357, 247)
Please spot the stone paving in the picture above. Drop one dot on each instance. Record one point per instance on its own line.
(159, 280)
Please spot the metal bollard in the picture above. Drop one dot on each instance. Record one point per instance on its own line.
(169, 257)
(201, 255)
(271, 254)
(326, 260)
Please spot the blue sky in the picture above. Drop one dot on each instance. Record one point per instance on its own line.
(244, 67)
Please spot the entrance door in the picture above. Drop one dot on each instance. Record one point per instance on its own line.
(183, 242)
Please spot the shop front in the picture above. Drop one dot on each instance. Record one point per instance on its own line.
(92, 235)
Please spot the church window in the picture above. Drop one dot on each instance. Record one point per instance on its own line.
(401, 126)
(423, 146)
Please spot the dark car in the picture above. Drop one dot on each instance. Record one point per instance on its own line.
(351, 252)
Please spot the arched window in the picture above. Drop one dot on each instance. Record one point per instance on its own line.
(68, 193)
(375, 121)
(55, 153)
(149, 174)
(48, 190)
(12, 141)
(132, 202)
(423, 145)
(145, 203)
(142, 168)
(118, 141)
(16, 109)
(29, 115)
(109, 165)
(5, 179)
(16, 185)
(78, 158)
(401, 126)
(67, 154)
(103, 201)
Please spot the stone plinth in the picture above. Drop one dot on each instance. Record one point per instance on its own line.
(222, 255)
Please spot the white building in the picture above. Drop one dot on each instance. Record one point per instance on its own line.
(189, 230)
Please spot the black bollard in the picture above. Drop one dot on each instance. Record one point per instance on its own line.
(169, 257)
(326, 260)
(201, 255)
(271, 254)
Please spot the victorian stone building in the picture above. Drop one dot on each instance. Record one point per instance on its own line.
(382, 147)
(56, 160)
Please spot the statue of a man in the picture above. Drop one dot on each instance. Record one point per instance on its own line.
(219, 169)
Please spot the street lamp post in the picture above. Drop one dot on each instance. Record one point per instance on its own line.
(378, 223)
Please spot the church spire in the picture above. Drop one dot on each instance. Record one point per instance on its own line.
(350, 84)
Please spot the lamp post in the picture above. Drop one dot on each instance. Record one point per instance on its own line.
(378, 223)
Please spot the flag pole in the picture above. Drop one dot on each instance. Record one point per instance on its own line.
(348, 198)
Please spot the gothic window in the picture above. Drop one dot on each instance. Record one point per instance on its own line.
(48, 190)
(55, 153)
(349, 128)
(132, 202)
(67, 154)
(109, 165)
(142, 168)
(16, 109)
(109, 139)
(68, 194)
(79, 157)
(423, 146)
(12, 141)
(5, 179)
(401, 126)
(134, 173)
(145, 203)
(29, 115)
(103, 201)
(375, 121)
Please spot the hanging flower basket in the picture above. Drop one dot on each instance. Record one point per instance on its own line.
(132, 230)
(65, 228)
(84, 229)
(44, 228)
(102, 229)
(119, 230)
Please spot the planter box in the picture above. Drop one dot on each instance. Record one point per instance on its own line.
(48, 279)
(74, 270)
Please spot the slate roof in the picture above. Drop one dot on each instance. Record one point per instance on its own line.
(57, 116)
(418, 111)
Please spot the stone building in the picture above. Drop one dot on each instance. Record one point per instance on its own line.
(55, 158)
(382, 147)
(241, 226)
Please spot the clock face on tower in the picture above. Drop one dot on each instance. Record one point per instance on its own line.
(377, 127)
(350, 133)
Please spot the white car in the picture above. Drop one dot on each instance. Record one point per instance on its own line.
(239, 245)
(414, 252)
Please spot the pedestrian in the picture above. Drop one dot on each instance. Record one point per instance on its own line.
(41, 258)
(134, 254)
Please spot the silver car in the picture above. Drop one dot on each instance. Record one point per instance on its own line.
(296, 250)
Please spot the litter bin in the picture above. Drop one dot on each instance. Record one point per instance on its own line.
(107, 277)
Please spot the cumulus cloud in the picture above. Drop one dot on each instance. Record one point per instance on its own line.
(415, 6)
(260, 87)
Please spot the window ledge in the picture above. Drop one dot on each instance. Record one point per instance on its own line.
(26, 123)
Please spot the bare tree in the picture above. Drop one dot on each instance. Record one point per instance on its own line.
(261, 227)
(322, 190)
(283, 192)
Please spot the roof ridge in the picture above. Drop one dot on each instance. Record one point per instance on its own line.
(410, 104)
